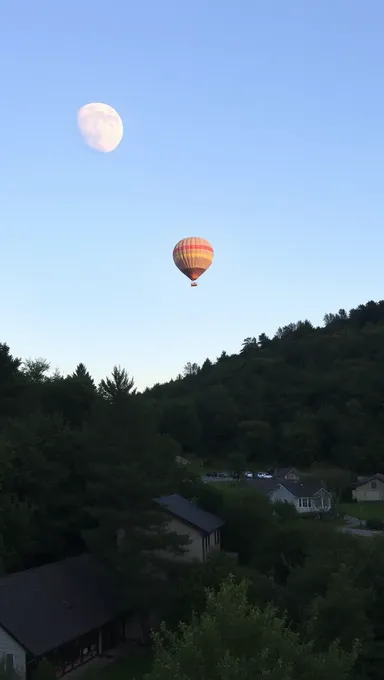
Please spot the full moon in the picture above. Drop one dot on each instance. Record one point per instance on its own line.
(100, 126)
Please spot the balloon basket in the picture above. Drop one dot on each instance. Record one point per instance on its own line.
(193, 285)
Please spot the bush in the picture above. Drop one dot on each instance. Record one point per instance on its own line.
(44, 671)
(375, 524)
(310, 515)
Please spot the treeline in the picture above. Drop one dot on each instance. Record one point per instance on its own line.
(79, 463)
(308, 395)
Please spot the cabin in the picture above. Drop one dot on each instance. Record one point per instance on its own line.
(202, 528)
(67, 612)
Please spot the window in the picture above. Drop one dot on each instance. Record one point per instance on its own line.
(9, 663)
(309, 502)
(305, 502)
(206, 543)
(373, 485)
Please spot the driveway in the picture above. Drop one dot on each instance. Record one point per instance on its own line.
(355, 526)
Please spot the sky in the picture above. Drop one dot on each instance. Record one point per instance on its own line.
(258, 125)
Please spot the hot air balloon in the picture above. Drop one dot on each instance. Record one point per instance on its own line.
(193, 256)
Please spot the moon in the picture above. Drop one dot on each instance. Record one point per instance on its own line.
(100, 126)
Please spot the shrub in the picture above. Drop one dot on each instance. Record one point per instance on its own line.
(375, 524)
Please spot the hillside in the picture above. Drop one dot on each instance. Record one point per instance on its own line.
(306, 395)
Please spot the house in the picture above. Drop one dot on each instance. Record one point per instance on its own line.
(66, 611)
(287, 473)
(202, 528)
(306, 496)
(369, 489)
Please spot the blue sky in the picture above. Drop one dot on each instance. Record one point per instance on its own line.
(256, 125)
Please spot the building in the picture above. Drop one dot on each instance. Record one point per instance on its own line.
(187, 519)
(307, 496)
(370, 489)
(287, 473)
(67, 612)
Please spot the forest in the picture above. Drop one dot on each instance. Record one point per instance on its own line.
(306, 396)
(80, 460)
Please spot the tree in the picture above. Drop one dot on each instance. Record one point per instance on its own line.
(234, 640)
(190, 369)
(35, 369)
(120, 385)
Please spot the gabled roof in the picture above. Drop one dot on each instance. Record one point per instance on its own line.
(45, 607)
(377, 476)
(191, 513)
(306, 488)
(264, 486)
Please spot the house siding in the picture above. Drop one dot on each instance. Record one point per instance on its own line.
(282, 495)
(321, 500)
(192, 551)
(364, 492)
(199, 547)
(8, 645)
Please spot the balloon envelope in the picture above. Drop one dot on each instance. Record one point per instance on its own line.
(193, 256)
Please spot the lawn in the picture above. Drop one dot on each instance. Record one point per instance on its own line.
(368, 510)
(132, 667)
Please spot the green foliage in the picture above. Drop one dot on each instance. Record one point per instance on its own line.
(44, 671)
(80, 465)
(375, 524)
(233, 639)
(307, 396)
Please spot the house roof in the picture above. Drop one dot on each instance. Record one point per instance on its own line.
(190, 512)
(281, 472)
(45, 607)
(306, 488)
(377, 476)
(264, 486)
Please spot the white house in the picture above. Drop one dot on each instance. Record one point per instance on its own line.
(369, 489)
(307, 495)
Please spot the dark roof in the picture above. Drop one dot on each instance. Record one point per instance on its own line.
(281, 472)
(264, 486)
(191, 513)
(378, 476)
(305, 488)
(45, 607)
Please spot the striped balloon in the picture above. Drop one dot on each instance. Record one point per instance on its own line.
(193, 256)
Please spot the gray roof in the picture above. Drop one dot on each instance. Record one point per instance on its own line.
(372, 478)
(305, 488)
(45, 607)
(191, 513)
(264, 486)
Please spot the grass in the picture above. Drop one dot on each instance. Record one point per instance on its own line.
(368, 510)
(132, 667)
